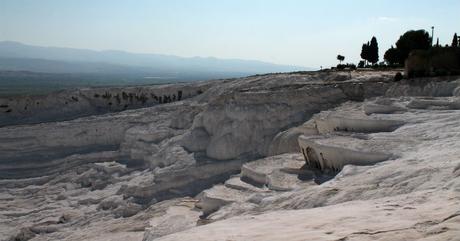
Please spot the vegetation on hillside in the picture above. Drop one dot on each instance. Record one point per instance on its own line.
(415, 51)
(409, 41)
(370, 51)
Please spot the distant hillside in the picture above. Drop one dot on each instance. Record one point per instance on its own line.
(16, 56)
(26, 69)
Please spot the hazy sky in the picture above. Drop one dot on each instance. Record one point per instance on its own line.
(295, 32)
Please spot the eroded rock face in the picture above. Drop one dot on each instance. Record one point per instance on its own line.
(196, 140)
(341, 123)
(264, 111)
(111, 176)
(71, 104)
(425, 87)
(261, 119)
(286, 141)
(334, 153)
(265, 172)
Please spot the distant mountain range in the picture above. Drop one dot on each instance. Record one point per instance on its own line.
(16, 56)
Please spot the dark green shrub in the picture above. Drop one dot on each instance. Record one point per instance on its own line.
(346, 66)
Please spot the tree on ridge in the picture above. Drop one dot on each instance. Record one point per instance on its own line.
(340, 58)
(412, 40)
(373, 51)
(370, 51)
(455, 41)
(392, 56)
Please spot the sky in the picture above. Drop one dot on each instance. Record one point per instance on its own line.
(294, 32)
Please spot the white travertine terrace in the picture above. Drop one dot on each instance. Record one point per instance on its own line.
(139, 174)
(375, 195)
(334, 152)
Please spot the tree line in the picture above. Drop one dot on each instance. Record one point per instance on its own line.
(396, 55)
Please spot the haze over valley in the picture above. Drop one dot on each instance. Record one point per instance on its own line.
(34, 69)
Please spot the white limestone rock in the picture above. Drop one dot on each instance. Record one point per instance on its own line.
(180, 216)
(383, 106)
(196, 140)
(172, 157)
(393, 218)
(274, 171)
(384, 201)
(237, 130)
(238, 184)
(143, 156)
(445, 104)
(286, 141)
(336, 152)
(72, 104)
(218, 196)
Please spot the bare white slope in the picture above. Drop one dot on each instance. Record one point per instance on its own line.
(418, 216)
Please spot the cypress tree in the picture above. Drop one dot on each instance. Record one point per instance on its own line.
(373, 51)
(455, 41)
(370, 51)
(365, 52)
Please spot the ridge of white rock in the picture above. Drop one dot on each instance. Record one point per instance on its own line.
(71, 104)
